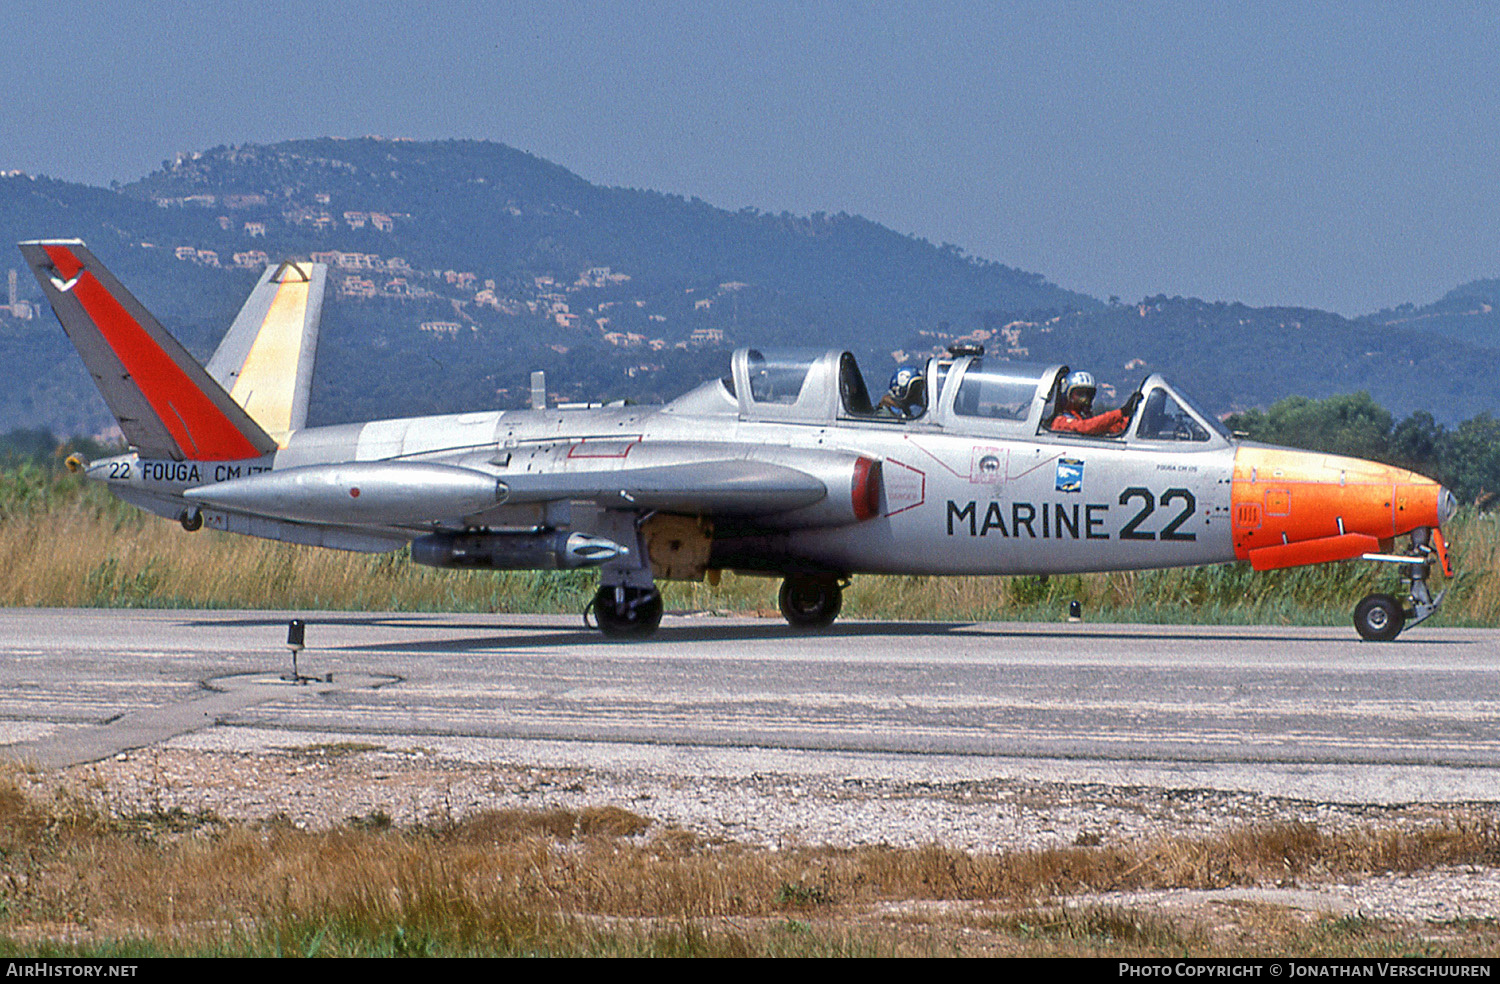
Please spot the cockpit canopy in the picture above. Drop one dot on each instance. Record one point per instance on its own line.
(798, 384)
(969, 394)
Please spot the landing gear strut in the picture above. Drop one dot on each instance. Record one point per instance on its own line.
(626, 613)
(1380, 617)
(810, 602)
(627, 605)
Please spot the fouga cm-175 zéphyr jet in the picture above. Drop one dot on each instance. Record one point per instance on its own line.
(785, 467)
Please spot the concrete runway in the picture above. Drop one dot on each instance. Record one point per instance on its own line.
(1301, 712)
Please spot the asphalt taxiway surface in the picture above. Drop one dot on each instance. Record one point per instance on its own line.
(1287, 711)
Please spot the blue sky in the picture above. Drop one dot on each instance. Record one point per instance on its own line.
(1344, 156)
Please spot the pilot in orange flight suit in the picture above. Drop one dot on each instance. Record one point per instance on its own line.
(1077, 415)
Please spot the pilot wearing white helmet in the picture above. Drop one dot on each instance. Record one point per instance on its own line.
(1077, 416)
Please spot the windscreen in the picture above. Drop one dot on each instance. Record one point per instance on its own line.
(998, 390)
(777, 375)
(1165, 417)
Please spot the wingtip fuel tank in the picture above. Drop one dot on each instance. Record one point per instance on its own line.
(391, 493)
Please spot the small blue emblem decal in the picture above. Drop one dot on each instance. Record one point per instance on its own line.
(1069, 475)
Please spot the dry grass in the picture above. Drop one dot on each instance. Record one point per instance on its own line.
(74, 879)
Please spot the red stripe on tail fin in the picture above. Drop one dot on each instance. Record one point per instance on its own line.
(199, 426)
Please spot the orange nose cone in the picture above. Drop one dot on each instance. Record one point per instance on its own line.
(1300, 507)
(1417, 503)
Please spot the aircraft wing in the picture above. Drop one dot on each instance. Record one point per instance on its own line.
(266, 359)
(736, 487)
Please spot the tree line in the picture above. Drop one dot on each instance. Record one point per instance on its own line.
(38, 446)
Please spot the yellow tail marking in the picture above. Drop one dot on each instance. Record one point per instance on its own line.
(267, 382)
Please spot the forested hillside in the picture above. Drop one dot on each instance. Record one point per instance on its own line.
(1233, 357)
(458, 267)
(1467, 313)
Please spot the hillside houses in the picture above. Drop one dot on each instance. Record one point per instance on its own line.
(202, 257)
(626, 338)
(567, 302)
(354, 261)
(323, 220)
(600, 277)
(358, 287)
(14, 306)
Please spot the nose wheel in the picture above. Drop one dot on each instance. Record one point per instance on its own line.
(1379, 618)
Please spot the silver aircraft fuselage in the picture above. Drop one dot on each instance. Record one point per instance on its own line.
(783, 467)
(951, 501)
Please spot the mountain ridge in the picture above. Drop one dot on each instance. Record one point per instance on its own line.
(460, 265)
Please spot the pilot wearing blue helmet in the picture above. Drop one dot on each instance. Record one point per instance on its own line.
(907, 396)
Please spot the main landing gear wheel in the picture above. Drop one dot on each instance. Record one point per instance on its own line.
(627, 613)
(1379, 618)
(810, 602)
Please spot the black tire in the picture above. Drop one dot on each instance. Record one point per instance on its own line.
(1379, 618)
(636, 615)
(810, 602)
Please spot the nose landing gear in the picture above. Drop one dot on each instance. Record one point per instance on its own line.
(1380, 617)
